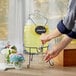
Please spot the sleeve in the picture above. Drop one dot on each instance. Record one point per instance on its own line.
(68, 24)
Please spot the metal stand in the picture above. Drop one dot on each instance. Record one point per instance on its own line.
(51, 63)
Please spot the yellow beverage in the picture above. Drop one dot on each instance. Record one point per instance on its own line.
(32, 39)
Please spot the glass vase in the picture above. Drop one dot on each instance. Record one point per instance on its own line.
(18, 65)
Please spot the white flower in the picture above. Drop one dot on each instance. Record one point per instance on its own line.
(5, 51)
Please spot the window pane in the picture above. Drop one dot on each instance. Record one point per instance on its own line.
(3, 19)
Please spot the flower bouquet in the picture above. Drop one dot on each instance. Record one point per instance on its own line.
(17, 60)
(12, 57)
(7, 51)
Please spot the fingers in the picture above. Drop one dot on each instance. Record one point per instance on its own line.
(43, 38)
(49, 55)
(49, 59)
(46, 56)
(43, 41)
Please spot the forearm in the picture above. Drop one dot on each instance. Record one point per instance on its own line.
(53, 34)
(63, 43)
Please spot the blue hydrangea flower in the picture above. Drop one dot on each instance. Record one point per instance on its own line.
(16, 58)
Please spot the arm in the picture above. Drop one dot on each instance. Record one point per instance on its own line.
(68, 24)
(47, 37)
(57, 48)
(65, 26)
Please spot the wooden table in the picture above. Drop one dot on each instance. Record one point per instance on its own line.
(67, 57)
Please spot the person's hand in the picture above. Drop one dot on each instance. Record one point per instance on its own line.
(44, 38)
(50, 54)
